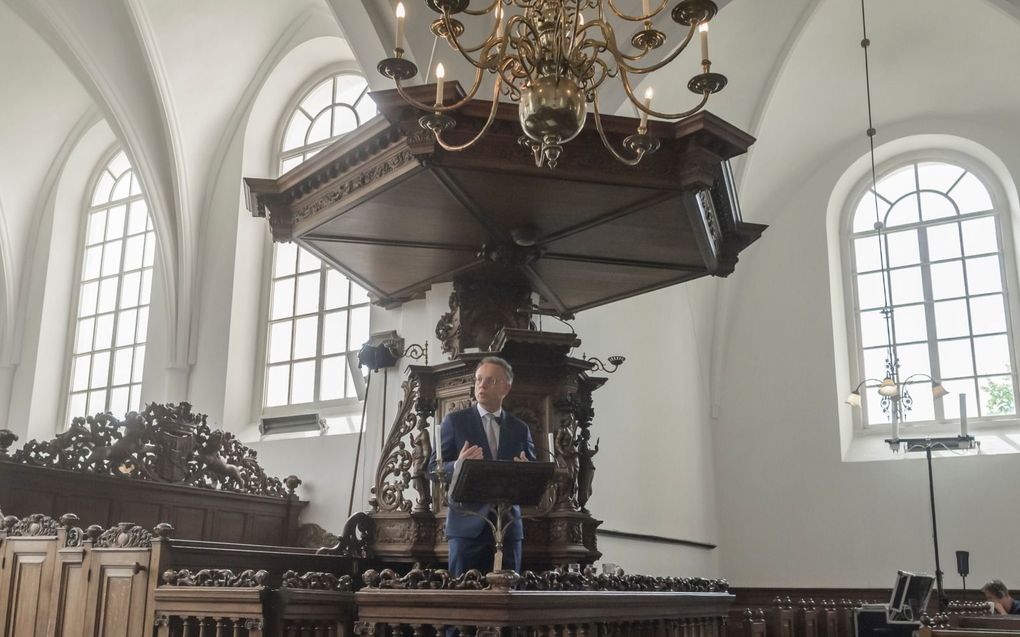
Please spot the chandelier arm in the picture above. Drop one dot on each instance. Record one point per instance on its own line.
(441, 109)
(483, 11)
(455, 44)
(611, 45)
(641, 107)
(484, 129)
(632, 18)
(605, 141)
(918, 375)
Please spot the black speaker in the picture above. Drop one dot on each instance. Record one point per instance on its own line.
(963, 563)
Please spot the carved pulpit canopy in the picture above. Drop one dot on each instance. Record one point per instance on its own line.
(397, 213)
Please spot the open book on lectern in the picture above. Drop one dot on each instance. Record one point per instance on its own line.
(495, 481)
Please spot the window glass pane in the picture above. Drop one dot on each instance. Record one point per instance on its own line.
(143, 325)
(979, 236)
(991, 355)
(874, 406)
(870, 292)
(902, 248)
(107, 294)
(122, 359)
(305, 336)
(295, 135)
(286, 257)
(111, 257)
(77, 406)
(129, 289)
(279, 341)
(308, 261)
(137, 217)
(319, 98)
(897, 184)
(150, 249)
(997, 396)
(103, 187)
(987, 314)
(334, 333)
(352, 390)
(87, 302)
(104, 331)
(366, 110)
(937, 176)
(905, 286)
(947, 280)
(944, 241)
(289, 163)
(971, 195)
(303, 387)
(122, 189)
(97, 227)
(867, 254)
(983, 275)
(307, 293)
(336, 289)
(936, 206)
(119, 401)
(133, 250)
(923, 407)
(864, 216)
(359, 294)
(115, 222)
(136, 397)
(909, 324)
(126, 327)
(283, 299)
(874, 362)
(119, 164)
(100, 369)
(319, 130)
(951, 319)
(904, 211)
(344, 120)
(138, 364)
(80, 378)
(93, 257)
(333, 370)
(83, 340)
(349, 88)
(97, 402)
(913, 360)
(956, 358)
(359, 328)
(951, 403)
(277, 380)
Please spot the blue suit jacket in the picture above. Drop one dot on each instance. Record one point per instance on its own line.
(466, 425)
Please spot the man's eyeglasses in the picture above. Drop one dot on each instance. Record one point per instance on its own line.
(488, 382)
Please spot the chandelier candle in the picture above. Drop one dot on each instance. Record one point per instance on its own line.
(644, 116)
(440, 74)
(703, 29)
(400, 25)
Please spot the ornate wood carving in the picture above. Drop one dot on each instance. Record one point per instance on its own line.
(164, 443)
(479, 309)
(124, 535)
(398, 464)
(32, 525)
(216, 578)
(313, 580)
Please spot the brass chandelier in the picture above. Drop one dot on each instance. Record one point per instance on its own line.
(550, 58)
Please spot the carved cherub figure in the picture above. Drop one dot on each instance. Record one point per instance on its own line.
(209, 453)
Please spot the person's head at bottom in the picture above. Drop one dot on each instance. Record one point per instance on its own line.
(997, 593)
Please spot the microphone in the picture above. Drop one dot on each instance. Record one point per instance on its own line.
(963, 566)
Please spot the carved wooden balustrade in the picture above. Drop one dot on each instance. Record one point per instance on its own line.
(549, 604)
(164, 464)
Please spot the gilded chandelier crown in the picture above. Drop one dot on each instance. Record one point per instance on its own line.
(551, 59)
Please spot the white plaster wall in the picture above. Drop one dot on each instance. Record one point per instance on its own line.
(791, 512)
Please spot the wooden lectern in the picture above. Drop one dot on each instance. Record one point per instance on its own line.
(502, 485)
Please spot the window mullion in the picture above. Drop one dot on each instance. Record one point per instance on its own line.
(320, 332)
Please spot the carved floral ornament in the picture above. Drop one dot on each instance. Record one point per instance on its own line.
(163, 443)
(558, 579)
(123, 535)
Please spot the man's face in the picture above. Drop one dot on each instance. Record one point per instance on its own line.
(491, 386)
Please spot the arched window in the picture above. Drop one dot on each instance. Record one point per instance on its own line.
(318, 318)
(941, 255)
(113, 296)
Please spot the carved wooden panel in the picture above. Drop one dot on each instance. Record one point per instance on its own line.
(25, 582)
(227, 525)
(189, 522)
(70, 583)
(117, 593)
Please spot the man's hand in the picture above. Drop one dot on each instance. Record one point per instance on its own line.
(521, 458)
(471, 452)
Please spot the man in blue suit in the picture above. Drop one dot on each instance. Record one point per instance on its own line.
(484, 431)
